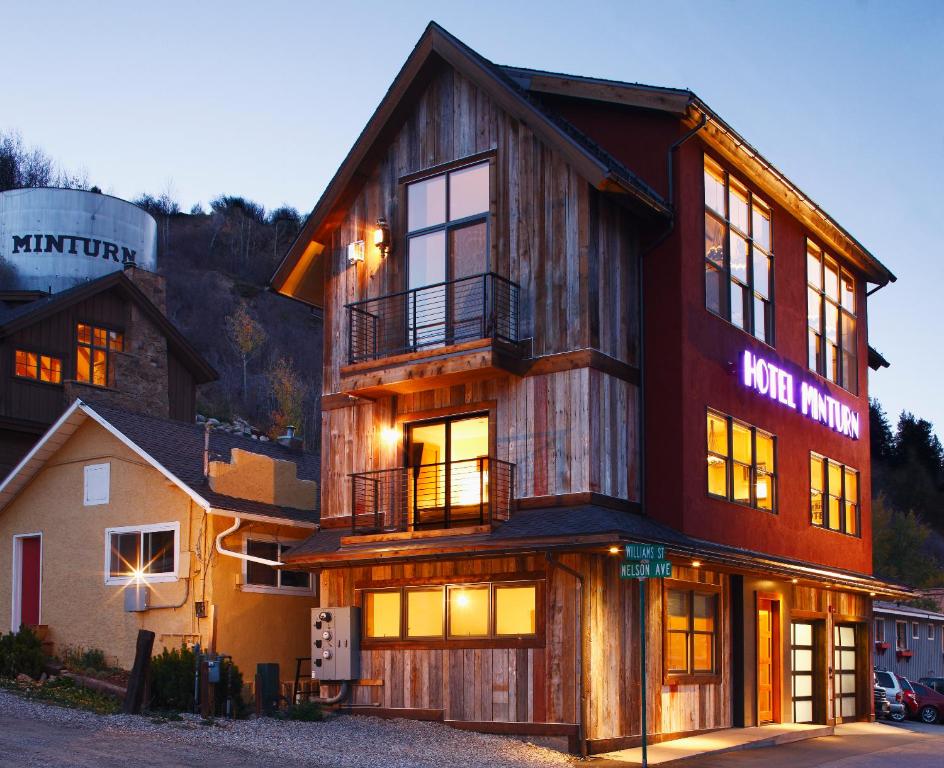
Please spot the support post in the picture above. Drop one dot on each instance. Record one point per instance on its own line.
(137, 683)
(642, 668)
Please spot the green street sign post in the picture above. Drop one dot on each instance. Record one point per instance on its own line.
(644, 561)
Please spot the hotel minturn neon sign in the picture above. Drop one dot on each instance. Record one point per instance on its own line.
(772, 381)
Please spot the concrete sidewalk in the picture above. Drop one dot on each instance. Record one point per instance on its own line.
(718, 742)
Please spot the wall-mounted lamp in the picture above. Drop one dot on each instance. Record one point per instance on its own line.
(390, 435)
(355, 252)
(696, 563)
(614, 550)
(382, 236)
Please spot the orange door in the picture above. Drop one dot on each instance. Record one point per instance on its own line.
(765, 662)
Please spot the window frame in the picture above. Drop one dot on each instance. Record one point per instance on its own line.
(825, 491)
(769, 338)
(930, 631)
(820, 370)
(38, 379)
(915, 630)
(90, 469)
(91, 346)
(903, 645)
(879, 623)
(730, 463)
(278, 589)
(691, 677)
(444, 640)
(145, 578)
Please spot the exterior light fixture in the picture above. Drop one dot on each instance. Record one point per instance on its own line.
(382, 236)
(390, 435)
(614, 550)
(355, 252)
(696, 563)
(795, 581)
(871, 594)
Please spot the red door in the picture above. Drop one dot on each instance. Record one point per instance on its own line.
(30, 555)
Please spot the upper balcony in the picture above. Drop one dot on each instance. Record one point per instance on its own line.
(432, 336)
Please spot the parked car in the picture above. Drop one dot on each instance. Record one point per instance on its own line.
(893, 689)
(937, 683)
(882, 707)
(930, 703)
(908, 696)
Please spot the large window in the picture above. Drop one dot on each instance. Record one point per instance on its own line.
(831, 322)
(146, 553)
(453, 612)
(691, 631)
(259, 577)
(741, 464)
(901, 636)
(95, 354)
(834, 495)
(32, 365)
(738, 258)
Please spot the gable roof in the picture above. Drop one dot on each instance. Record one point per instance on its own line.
(14, 318)
(687, 106)
(436, 45)
(175, 449)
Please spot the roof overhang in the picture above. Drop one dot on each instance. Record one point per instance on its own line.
(257, 518)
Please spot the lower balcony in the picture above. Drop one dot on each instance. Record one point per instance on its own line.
(465, 493)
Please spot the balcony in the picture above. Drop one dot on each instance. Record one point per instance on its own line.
(470, 492)
(432, 336)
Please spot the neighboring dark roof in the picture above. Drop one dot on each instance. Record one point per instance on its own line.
(14, 318)
(562, 528)
(178, 447)
(877, 361)
(881, 606)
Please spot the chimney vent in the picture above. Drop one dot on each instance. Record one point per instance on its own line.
(288, 440)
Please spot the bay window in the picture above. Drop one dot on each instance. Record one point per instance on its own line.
(831, 319)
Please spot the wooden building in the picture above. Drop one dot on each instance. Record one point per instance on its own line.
(106, 340)
(908, 641)
(530, 361)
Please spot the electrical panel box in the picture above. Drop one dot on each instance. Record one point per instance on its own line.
(137, 597)
(336, 643)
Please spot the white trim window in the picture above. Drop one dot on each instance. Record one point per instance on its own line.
(266, 578)
(146, 553)
(915, 630)
(97, 481)
(880, 630)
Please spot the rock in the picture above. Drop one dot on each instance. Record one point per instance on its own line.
(43, 677)
(24, 679)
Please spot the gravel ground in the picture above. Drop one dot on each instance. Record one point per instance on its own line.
(34, 733)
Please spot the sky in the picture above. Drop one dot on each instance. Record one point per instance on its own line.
(264, 100)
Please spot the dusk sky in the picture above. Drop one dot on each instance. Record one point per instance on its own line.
(265, 99)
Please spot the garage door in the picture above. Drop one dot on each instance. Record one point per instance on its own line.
(844, 671)
(801, 666)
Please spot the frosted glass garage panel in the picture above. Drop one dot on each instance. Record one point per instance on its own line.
(848, 660)
(802, 661)
(848, 707)
(847, 636)
(802, 686)
(848, 683)
(803, 711)
(803, 634)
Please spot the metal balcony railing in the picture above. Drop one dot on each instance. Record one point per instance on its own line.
(456, 493)
(479, 307)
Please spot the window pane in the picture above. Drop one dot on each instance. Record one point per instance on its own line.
(677, 609)
(703, 612)
(816, 473)
(761, 223)
(764, 491)
(467, 251)
(83, 367)
(765, 451)
(834, 477)
(703, 656)
(831, 284)
(816, 507)
(741, 443)
(832, 322)
(158, 552)
(760, 318)
(714, 240)
(814, 347)
(26, 364)
(382, 614)
(468, 192)
(287, 578)
(738, 257)
(424, 612)
(832, 362)
(713, 288)
(813, 306)
(848, 292)
(737, 199)
(99, 371)
(834, 516)
(99, 337)
(761, 273)
(427, 260)
(426, 203)
(84, 334)
(717, 476)
(515, 609)
(124, 553)
(677, 652)
(737, 305)
(717, 434)
(51, 369)
(115, 340)
(468, 611)
(852, 484)
(802, 635)
(852, 518)
(814, 267)
(259, 573)
(714, 187)
(742, 483)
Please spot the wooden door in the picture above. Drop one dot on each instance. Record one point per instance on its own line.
(28, 581)
(768, 660)
(844, 672)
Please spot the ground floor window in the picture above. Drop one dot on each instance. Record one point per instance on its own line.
(690, 644)
(879, 630)
(146, 553)
(259, 577)
(844, 667)
(801, 666)
(453, 612)
(901, 635)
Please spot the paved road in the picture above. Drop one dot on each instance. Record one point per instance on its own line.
(912, 745)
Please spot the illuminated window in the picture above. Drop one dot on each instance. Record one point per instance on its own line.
(95, 348)
(691, 627)
(879, 630)
(740, 462)
(266, 578)
(831, 320)
(834, 495)
(148, 553)
(32, 365)
(453, 612)
(738, 258)
(901, 635)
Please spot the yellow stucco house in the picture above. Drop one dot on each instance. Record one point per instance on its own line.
(109, 499)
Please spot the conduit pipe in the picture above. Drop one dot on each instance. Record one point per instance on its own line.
(186, 580)
(340, 696)
(241, 555)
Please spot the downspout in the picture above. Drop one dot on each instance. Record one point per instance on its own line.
(241, 555)
(581, 683)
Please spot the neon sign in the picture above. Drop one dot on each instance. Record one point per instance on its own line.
(772, 381)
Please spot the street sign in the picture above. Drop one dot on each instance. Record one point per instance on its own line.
(645, 552)
(646, 569)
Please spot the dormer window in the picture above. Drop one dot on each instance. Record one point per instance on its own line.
(95, 360)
